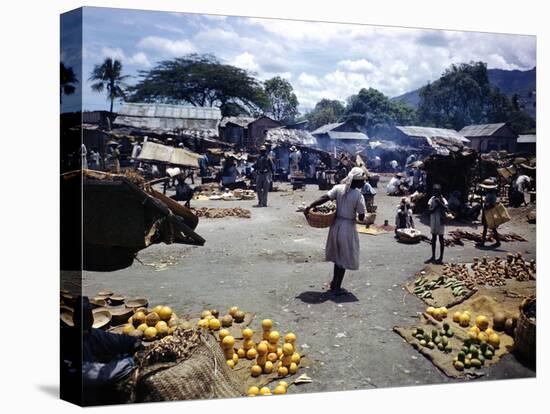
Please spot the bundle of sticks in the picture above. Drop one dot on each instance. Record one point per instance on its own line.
(173, 347)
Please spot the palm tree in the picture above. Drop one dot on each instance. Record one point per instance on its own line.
(108, 77)
(67, 81)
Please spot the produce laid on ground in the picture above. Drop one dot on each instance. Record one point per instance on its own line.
(438, 289)
(425, 286)
(458, 235)
(463, 339)
(492, 272)
(210, 212)
(262, 356)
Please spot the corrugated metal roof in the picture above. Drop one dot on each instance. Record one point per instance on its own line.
(290, 136)
(192, 127)
(242, 121)
(163, 153)
(483, 130)
(328, 127)
(347, 135)
(527, 139)
(151, 110)
(434, 136)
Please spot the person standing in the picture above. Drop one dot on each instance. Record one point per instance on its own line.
(368, 193)
(522, 184)
(342, 247)
(264, 175)
(489, 202)
(295, 158)
(437, 206)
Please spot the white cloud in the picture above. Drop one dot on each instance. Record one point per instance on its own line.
(359, 65)
(140, 59)
(114, 53)
(308, 81)
(164, 46)
(246, 61)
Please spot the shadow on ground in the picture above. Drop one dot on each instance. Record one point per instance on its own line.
(320, 297)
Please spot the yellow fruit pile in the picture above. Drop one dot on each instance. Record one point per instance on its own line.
(437, 313)
(157, 324)
(278, 390)
(269, 355)
(480, 332)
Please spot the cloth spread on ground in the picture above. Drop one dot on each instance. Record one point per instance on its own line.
(487, 302)
(375, 229)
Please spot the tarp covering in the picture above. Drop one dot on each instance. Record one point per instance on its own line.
(169, 155)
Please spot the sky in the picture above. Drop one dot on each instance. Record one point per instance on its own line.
(321, 60)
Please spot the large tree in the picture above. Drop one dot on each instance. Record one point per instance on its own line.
(108, 76)
(463, 95)
(374, 113)
(283, 103)
(67, 80)
(201, 80)
(326, 111)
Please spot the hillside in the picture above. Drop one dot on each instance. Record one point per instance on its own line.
(510, 82)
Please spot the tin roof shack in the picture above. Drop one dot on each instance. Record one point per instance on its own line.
(490, 137)
(257, 131)
(234, 130)
(341, 136)
(428, 140)
(527, 144)
(120, 217)
(454, 172)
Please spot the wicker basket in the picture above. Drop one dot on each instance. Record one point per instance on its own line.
(525, 341)
(320, 220)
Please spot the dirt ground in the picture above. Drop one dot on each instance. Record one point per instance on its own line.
(273, 265)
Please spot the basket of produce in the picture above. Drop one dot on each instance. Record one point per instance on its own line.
(322, 216)
(525, 341)
(409, 235)
(370, 218)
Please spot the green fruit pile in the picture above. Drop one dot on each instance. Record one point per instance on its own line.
(473, 355)
(438, 339)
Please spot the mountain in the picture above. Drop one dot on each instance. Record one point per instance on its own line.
(510, 82)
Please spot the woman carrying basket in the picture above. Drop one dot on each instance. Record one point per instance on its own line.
(342, 247)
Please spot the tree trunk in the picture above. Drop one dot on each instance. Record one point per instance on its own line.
(111, 110)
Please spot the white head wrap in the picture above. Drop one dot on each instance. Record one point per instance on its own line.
(356, 173)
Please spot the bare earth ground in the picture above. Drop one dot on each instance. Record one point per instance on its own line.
(273, 265)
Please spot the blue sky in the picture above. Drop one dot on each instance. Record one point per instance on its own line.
(321, 60)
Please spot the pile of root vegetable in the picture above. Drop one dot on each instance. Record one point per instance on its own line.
(492, 272)
(457, 236)
(209, 212)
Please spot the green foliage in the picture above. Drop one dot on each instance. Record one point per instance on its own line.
(283, 103)
(108, 76)
(326, 111)
(463, 96)
(372, 111)
(67, 80)
(201, 80)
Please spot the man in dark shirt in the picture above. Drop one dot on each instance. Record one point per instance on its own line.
(264, 175)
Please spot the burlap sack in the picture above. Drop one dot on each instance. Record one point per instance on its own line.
(204, 375)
